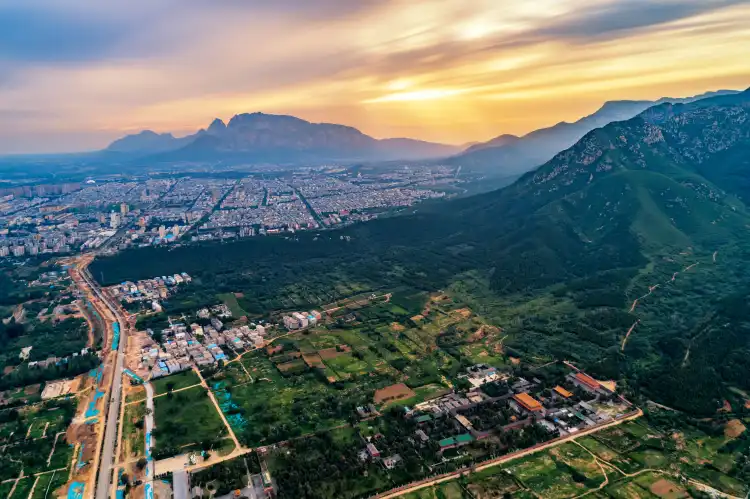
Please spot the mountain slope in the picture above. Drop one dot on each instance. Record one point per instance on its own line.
(518, 156)
(269, 138)
(147, 142)
(499, 141)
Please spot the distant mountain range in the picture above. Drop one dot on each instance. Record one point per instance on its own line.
(270, 138)
(513, 155)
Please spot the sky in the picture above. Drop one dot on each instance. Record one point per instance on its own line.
(76, 74)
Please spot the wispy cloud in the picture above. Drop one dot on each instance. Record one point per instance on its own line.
(447, 70)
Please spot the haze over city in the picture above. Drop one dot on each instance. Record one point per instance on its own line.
(77, 74)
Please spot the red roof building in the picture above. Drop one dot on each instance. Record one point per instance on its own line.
(528, 402)
(587, 381)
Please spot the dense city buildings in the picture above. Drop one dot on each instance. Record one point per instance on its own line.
(114, 214)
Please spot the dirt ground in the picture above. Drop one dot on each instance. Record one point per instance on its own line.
(62, 387)
(734, 428)
(463, 312)
(332, 353)
(285, 357)
(313, 360)
(162, 490)
(393, 392)
(83, 434)
(136, 343)
(288, 366)
(31, 389)
(667, 490)
(395, 326)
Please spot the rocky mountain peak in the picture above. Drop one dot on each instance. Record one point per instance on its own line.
(217, 126)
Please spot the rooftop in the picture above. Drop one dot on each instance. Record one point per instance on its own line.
(528, 402)
(563, 392)
(587, 380)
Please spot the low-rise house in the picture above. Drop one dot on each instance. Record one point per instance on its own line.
(373, 451)
(457, 441)
(391, 461)
(562, 392)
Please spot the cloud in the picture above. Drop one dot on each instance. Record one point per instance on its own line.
(30, 33)
(618, 19)
(441, 69)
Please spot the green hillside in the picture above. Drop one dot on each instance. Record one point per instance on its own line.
(651, 209)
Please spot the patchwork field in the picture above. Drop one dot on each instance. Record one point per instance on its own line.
(33, 438)
(571, 470)
(313, 380)
(279, 404)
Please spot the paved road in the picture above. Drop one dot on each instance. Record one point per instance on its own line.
(106, 458)
(110, 432)
(180, 484)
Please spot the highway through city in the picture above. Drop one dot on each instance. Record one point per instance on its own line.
(106, 458)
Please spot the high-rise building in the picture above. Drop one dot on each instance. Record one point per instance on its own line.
(114, 220)
(124, 208)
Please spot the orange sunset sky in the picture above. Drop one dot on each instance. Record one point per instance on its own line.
(76, 74)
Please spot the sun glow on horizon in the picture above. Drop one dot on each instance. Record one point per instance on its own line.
(435, 70)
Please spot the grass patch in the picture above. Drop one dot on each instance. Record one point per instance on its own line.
(346, 364)
(175, 381)
(5, 488)
(545, 477)
(493, 482)
(231, 301)
(23, 487)
(619, 439)
(48, 483)
(136, 393)
(275, 407)
(132, 434)
(186, 417)
(650, 458)
(627, 490)
(623, 463)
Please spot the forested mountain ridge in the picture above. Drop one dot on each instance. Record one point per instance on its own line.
(623, 253)
(521, 154)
